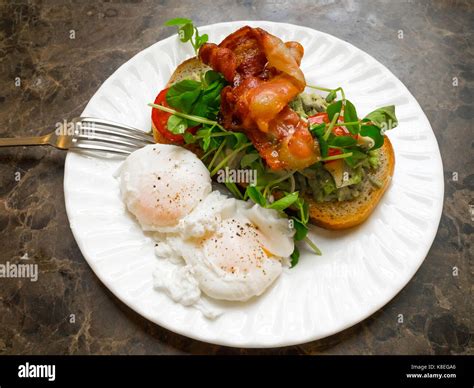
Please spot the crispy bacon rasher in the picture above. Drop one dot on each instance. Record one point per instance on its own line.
(264, 76)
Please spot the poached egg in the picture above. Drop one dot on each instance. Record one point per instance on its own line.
(236, 249)
(161, 183)
(226, 248)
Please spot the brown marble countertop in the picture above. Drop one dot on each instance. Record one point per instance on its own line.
(47, 77)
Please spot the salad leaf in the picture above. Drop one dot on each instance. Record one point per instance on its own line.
(264, 176)
(186, 32)
(373, 132)
(210, 100)
(350, 115)
(248, 159)
(323, 146)
(284, 202)
(301, 230)
(210, 143)
(197, 98)
(201, 39)
(342, 141)
(183, 95)
(255, 195)
(295, 257)
(205, 133)
(212, 76)
(318, 129)
(189, 138)
(356, 157)
(383, 117)
(237, 140)
(177, 125)
(334, 108)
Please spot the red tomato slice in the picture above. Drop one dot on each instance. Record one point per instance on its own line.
(320, 118)
(332, 152)
(160, 119)
(341, 131)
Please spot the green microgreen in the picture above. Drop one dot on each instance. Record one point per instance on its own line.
(187, 32)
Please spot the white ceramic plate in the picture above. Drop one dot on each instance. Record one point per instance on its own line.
(360, 270)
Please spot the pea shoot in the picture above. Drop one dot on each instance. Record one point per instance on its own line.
(187, 32)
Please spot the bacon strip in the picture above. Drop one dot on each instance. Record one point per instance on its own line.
(222, 59)
(265, 76)
(281, 57)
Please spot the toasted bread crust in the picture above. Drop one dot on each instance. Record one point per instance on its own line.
(189, 68)
(159, 138)
(329, 215)
(347, 214)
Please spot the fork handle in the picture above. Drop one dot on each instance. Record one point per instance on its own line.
(24, 141)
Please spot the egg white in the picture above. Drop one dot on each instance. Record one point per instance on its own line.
(234, 248)
(160, 184)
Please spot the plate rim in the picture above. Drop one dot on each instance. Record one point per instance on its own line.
(274, 343)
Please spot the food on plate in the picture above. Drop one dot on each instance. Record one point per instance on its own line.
(227, 248)
(245, 104)
(161, 185)
(364, 190)
(264, 77)
(235, 248)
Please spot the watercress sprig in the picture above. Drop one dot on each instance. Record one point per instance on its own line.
(373, 125)
(187, 32)
(332, 93)
(194, 98)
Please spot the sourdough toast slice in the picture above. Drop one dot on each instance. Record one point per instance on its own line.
(191, 68)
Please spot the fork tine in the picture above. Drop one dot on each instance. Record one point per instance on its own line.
(83, 145)
(111, 124)
(112, 139)
(120, 133)
(108, 136)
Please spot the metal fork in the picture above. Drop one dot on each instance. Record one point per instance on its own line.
(91, 134)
